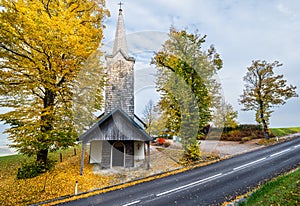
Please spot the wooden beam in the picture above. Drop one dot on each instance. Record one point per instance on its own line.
(148, 159)
(82, 159)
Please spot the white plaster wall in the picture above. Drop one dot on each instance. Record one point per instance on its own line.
(139, 151)
(96, 152)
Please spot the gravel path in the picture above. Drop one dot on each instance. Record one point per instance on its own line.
(228, 148)
(231, 148)
(162, 161)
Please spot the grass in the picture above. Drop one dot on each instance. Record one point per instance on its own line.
(279, 132)
(284, 190)
(10, 162)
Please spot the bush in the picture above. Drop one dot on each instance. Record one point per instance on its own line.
(33, 169)
(160, 141)
(266, 141)
(238, 133)
(192, 152)
(249, 127)
(245, 139)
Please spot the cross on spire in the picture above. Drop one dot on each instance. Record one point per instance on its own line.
(120, 4)
(120, 37)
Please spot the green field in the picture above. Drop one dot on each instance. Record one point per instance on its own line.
(279, 132)
(284, 190)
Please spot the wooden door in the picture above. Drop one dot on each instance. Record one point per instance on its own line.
(118, 154)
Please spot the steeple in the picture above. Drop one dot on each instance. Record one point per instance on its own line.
(120, 37)
(119, 89)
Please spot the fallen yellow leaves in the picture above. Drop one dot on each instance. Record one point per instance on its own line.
(121, 186)
(62, 179)
(59, 182)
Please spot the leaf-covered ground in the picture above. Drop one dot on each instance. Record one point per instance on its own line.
(58, 182)
(62, 179)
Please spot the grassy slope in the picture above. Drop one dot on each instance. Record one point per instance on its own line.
(284, 190)
(279, 132)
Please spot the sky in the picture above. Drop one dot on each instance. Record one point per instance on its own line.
(241, 31)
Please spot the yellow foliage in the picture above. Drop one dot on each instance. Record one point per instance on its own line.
(44, 47)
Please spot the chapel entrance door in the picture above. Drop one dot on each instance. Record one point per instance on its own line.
(118, 154)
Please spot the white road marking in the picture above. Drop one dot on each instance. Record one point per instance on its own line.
(189, 185)
(229, 173)
(278, 153)
(220, 174)
(132, 203)
(248, 164)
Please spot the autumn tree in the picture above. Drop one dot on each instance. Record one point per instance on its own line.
(43, 47)
(186, 82)
(225, 116)
(264, 90)
(230, 116)
(149, 115)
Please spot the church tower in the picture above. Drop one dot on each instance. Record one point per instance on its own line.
(116, 139)
(119, 90)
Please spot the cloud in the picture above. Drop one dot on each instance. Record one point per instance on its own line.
(241, 31)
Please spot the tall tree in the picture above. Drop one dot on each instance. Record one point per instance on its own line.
(149, 115)
(225, 116)
(264, 90)
(186, 82)
(43, 47)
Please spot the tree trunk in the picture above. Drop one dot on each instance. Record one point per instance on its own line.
(265, 129)
(42, 156)
(263, 121)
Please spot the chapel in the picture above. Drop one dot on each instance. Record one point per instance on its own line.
(117, 139)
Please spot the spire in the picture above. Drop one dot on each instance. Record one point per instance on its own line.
(120, 37)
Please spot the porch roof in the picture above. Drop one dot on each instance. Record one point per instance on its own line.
(117, 125)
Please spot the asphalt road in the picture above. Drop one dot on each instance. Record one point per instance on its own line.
(209, 185)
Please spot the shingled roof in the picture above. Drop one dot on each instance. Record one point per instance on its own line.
(117, 125)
